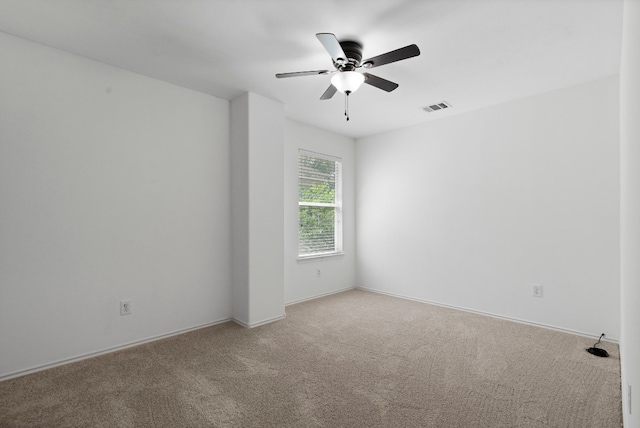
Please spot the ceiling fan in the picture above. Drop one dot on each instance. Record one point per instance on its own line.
(347, 58)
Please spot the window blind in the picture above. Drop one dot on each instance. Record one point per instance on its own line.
(319, 204)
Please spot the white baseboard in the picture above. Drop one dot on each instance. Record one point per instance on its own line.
(109, 350)
(38, 368)
(461, 308)
(293, 302)
(317, 296)
(259, 323)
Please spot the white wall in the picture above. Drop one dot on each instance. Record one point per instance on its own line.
(470, 210)
(239, 137)
(630, 213)
(112, 186)
(266, 206)
(257, 204)
(337, 272)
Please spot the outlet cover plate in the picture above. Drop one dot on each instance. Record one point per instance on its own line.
(536, 290)
(125, 307)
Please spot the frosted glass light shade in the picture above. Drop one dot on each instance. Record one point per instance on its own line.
(347, 81)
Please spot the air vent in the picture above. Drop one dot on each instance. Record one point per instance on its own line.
(435, 107)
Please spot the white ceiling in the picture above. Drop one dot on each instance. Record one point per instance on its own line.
(474, 52)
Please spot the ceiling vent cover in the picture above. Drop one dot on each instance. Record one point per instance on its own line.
(437, 106)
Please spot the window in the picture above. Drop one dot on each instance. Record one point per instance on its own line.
(319, 204)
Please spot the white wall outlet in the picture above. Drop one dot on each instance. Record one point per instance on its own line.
(125, 307)
(536, 290)
(318, 273)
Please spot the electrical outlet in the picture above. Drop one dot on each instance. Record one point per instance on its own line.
(536, 290)
(318, 273)
(125, 307)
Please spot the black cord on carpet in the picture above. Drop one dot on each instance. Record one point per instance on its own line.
(597, 351)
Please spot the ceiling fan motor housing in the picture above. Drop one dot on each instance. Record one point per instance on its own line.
(353, 51)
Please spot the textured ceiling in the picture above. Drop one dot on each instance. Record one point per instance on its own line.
(474, 52)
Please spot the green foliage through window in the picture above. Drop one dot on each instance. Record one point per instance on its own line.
(319, 208)
(317, 230)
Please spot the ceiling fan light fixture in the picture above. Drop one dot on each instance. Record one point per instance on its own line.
(347, 81)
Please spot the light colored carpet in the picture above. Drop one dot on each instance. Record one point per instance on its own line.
(354, 359)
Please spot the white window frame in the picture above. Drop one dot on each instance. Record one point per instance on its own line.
(338, 250)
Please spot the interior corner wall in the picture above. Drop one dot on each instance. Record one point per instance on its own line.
(113, 186)
(630, 214)
(257, 205)
(337, 272)
(471, 210)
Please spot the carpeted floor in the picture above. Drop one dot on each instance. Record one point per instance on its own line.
(354, 359)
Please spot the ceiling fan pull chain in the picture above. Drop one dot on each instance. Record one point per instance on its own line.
(346, 104)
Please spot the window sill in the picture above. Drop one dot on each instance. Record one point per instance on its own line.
(302, 259)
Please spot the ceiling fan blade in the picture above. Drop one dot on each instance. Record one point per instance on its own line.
(393, 56)
(302, 73)
(331, 44)
(331, 90)
(379, 82)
